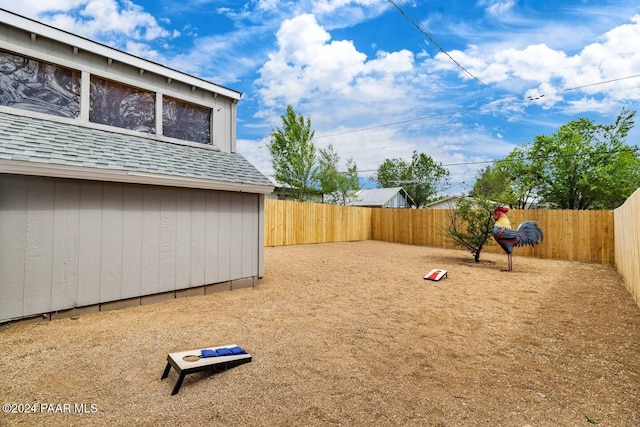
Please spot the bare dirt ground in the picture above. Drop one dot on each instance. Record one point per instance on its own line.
(351, 334)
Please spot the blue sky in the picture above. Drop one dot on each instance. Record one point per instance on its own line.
(374, 85)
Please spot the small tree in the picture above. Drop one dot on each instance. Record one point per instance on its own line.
(339, 187)
(293, 153)
(470, 226)
(422, 178)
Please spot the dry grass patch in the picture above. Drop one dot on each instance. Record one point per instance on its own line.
(351, 334)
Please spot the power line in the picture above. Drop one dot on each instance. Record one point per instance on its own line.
(535, 98)
(555, 156)
(481, 162)
(424, 31)
(602, 82)
(388, 124)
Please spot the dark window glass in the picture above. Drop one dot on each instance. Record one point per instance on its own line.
(33, 85)
(186, 121)
(123, 106)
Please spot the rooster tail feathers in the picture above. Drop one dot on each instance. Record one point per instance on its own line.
(530, 234)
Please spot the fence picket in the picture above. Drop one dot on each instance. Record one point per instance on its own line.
(627, 243)
(585, 236)
(609, 237)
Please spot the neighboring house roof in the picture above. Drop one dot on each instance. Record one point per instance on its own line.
(278, 184)
(378, 196)
(288, 192)
(34, 146)
(445, 203)
(449, 202)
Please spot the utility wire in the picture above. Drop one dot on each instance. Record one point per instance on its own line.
(424, 31)
(555, 156)
(602, 82)
(389, 124)
(531, 98)
(535, 98)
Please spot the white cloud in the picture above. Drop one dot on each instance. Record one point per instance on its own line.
(539, 69)
(33, 8)
(142, 50)
(342, 90)
(209, 56)
(100, 17)
(307, 62)
(120, 23)
(352, 95)
(344, 13)
(257, 153)
(329, 6)
(268, 5)
(501, 10)
(309, 67)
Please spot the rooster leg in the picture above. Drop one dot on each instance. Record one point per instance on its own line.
(510, 263)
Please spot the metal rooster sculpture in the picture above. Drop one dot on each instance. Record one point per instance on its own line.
(528, 233)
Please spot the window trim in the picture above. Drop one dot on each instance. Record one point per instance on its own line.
(85, 86)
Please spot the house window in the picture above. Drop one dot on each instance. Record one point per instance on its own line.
(34, 85)
(186, 121)
(127, 107)
(38, 86)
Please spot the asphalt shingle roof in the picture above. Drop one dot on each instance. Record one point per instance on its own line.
(38, 140)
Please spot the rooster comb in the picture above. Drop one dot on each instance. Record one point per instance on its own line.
(502, 209)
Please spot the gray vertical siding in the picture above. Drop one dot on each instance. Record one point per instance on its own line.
(69, 243)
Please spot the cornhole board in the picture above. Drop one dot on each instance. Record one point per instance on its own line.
(189, 362)
(435, 274)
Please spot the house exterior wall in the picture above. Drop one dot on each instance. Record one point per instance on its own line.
(397, 201)
(223, 104)
(71, 243)
(119, 178)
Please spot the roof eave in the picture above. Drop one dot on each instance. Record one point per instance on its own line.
(131, 177)
(44, 30)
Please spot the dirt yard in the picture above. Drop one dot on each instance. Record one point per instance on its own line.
(350, 334)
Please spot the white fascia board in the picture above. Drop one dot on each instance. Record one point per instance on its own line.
(40, 29)
(131, 177)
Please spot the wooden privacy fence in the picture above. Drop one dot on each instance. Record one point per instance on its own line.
(291, 223)
(627, 243)
(586, 236)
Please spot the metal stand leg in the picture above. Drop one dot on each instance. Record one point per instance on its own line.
(165, 374)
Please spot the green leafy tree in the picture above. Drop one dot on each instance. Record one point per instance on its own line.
(587, 165)
(512, 181)
(494, 184)
(422, 178)
(338, 187)
(583, 165)
(293, 154)
(471, 224)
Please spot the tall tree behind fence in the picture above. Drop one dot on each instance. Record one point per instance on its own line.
(627, 243)
(586, 236)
